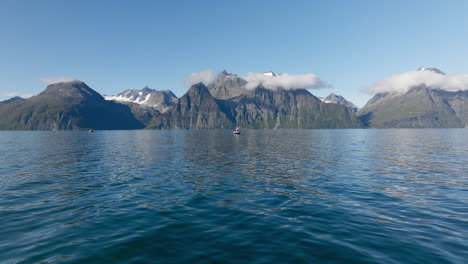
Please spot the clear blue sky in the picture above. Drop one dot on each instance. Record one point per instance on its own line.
(118, 45)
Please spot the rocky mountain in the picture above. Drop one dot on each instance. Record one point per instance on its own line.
(160, 100)
(196, 109)
(227, 85)
(338, 99)
(227, 103)
(67, 105)
(420, 107)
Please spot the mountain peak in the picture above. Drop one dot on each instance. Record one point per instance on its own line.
(13, 99)
(338, 99)
(72, 92)
(271, 73)
(198, 87)
(435, 70)
(147, 89)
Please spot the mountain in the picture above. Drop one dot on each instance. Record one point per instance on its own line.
(67, 105)
(338, 99)
(196, 109)
(13, 99)
(227, 102)
(420, 107)
(160, 100)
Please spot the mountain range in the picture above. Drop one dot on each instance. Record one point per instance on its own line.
(227, 102)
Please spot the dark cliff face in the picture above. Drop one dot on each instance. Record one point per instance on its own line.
(420, 107)
(197, 109)
(69, 105)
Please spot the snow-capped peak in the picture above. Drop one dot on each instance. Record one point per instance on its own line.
(270, 73)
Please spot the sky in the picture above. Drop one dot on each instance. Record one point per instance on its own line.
(119, 45)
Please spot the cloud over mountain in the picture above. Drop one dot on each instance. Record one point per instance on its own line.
(285, 81)
(59, 79)
(197, 77)
(401, 83)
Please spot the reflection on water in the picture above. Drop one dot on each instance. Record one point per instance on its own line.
(266, 196)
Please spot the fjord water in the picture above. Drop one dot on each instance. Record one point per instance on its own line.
(207, 196)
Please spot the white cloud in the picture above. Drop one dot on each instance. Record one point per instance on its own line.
(204, 77)
(13, 94)
(52, 80)
(285, 81)
(401, 83)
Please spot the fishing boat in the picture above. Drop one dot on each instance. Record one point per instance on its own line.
(236, 131)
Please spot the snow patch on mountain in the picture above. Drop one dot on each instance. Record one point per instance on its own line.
(159, 100)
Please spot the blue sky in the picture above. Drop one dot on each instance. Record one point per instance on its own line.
(118, 45)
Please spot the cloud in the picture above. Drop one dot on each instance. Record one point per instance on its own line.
(204, 77)
(401, 83)
(52, 80)
(285, 81)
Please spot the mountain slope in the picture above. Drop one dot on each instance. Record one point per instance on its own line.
(68, 105)
(420, 107)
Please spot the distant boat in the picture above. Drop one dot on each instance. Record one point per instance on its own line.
(91, 131)
(236, 131)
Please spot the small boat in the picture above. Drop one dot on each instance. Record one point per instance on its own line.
(236, 131)
(90, 131)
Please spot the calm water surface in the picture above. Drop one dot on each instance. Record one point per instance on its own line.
(266, 196)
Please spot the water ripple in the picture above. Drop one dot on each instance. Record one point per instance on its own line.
(267, 196)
